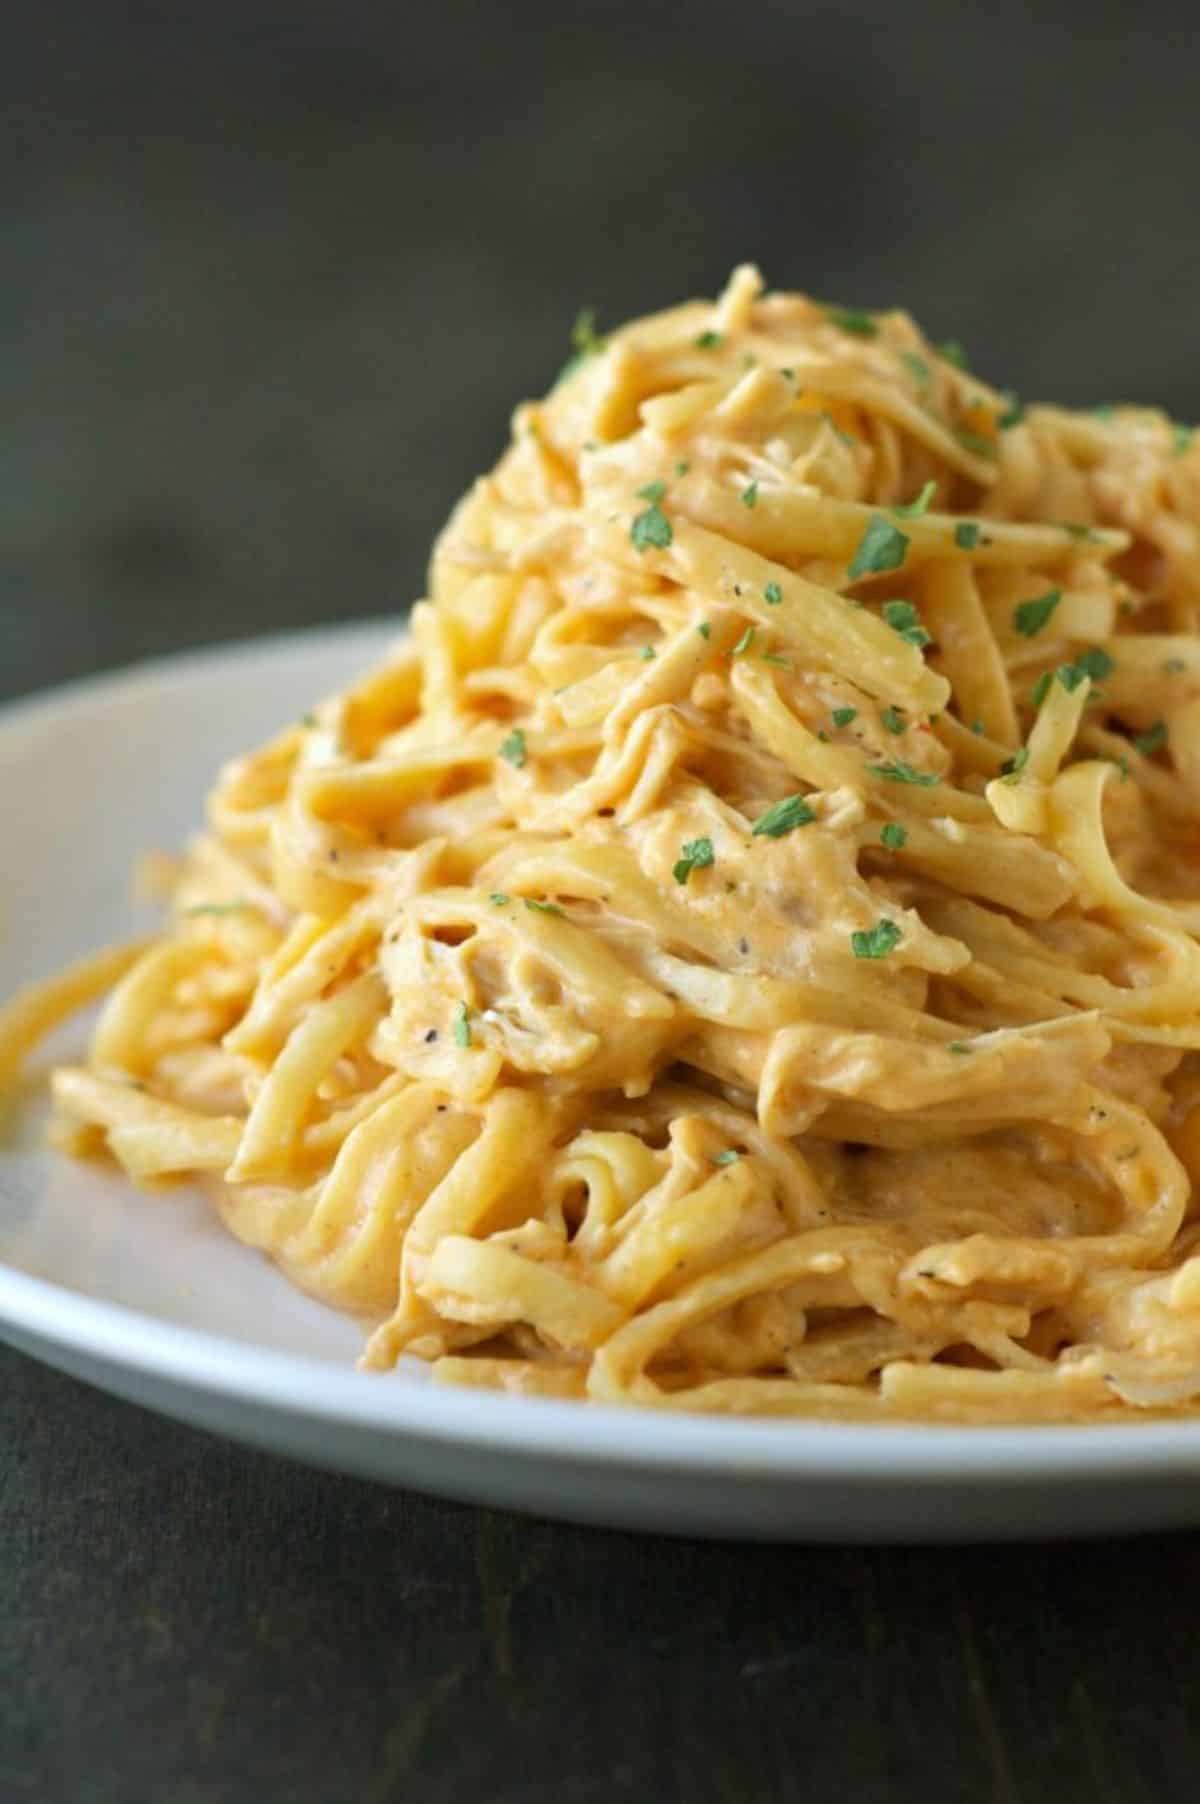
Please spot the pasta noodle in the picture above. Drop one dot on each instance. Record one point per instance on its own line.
(741, 951)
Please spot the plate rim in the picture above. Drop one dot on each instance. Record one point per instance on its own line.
(763, 1450)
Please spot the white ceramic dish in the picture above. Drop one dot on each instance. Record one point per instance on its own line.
(149, 1298)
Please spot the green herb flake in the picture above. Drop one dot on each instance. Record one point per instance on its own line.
(959, 1048)
(882, 547)
(975, 442)
(899, 772)
(682, 467)
(1104, 412)
(772, 595)
(1181, 440)
(843, 716)
(1152, 741)
(308, 720)
(1174, 665)
(542, 908)
(950, 351)
(1014, 411)
(498, 899)
(647, 653)
(585, 341)
(728, 1157)
(704, 630)
(653, 491)
(750, 495)
(744, 643)
(893, 836)
(695, 855)
(877, 941)
(783, 817)
(1012, 767)
(512, 749)
(1041, 689)
(977, 726)
(1078, 530)
(903, 618)
(913, 510)
(893, 720)
(773, 657)
(708, 341)
(917, 368)
(1122, 765)
(1029, 617)
(651, 527)
(462, 1025)
(966, 535)
(218, 908)
(1095, 663)
(852, 319)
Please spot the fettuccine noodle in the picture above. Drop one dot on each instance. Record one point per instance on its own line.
(741, 951)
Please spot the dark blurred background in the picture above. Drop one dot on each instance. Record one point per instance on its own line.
(273, 276)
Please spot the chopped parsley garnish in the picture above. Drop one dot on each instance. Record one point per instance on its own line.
(912, 510)
(952, 352)
(651, 527)
(773, 657)
(877, 941)
(653, 491)
(1104, 411)
(218, 908)
(1041, 689)
(882, 547)
(1014, 411)
(917, 368)
(893, 836)
(1012, 767)
(708, 341)
(958, 1047)
(744, 643)
(1152, 741)
(1181, 440)
(843, 716)
(512, 749)
(750, 495)
(1029, 617)
(772, 595)
(728, 1157)
(647, 652)
(1093, 663)
(852, 319)
(783, 817)
(542, 908)
(975, 442)
(308, 720)
(893, 720)
(585, 341)
(900, 772)
(499, 899)
(966, 535)
(1078, 530)
(695, 855)
(682, 467)
(462, 1025)
(1122, 765)
(704, 630)
(903, 618)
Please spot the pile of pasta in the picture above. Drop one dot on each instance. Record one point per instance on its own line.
(741, 950)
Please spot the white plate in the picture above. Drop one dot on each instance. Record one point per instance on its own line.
(148, 1297)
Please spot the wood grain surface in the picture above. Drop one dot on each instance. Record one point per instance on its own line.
(185, 1622)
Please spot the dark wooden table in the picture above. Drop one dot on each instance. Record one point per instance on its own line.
(271, 282)
(184, 1622)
